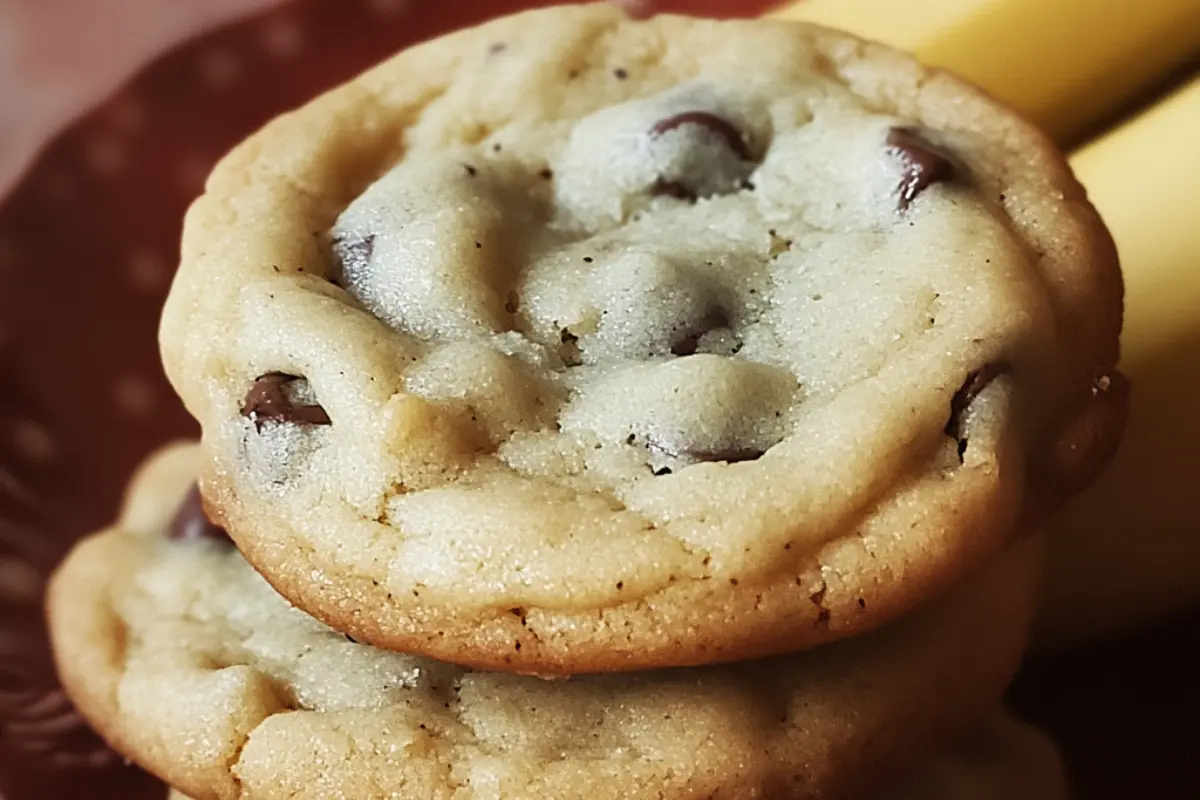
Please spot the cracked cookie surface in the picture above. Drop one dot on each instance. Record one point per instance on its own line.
(572, 343)
(191, 665)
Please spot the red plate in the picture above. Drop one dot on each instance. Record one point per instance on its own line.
(88, 241)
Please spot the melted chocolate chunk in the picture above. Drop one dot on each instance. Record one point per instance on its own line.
(975, 383)
(267, 400)
(924, 163)
(191, 522)
(720, 127)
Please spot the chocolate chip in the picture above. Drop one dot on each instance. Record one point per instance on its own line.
(975, 383)
(190, 521)
(719, 127)
(924, 163)
(620, 73)
(267, 400)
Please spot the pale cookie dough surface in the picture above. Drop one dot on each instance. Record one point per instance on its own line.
(1002, 759)
(572, 343)
(192, 666)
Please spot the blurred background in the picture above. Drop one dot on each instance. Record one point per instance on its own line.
(113, 111)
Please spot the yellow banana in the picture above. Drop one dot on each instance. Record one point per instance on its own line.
(1128, 549)
(1065, 64)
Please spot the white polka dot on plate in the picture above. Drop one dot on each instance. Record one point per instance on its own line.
(387, 8)
(33, 441)
(220, 69)
(134, 396)
(282, 37)
(147, 271)
(105, 156)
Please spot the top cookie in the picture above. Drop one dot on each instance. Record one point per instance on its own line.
(575, 343)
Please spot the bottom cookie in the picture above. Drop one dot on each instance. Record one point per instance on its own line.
(192, 666)
(1001, 759)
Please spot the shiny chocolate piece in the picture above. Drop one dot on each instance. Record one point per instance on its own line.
(267, 401)
(924, 163)
(191, 521)
(721, 128)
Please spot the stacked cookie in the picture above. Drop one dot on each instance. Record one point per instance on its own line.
(598, 408)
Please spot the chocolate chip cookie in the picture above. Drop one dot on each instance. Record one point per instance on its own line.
(192, 666)
(1001, 759)
(572, 343)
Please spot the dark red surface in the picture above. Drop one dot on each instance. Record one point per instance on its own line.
(87, 244)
